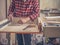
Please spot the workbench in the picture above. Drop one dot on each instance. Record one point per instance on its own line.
(12, 29)
(18, 28)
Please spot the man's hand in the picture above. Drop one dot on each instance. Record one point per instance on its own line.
(22, 19)
(25, 19)
(10, 17)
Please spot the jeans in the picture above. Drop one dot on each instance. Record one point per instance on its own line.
(26, 40)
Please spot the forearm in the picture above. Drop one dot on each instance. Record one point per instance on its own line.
(33, 17)
(36, 10)
(11, 8)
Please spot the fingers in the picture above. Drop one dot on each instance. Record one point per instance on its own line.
(23, 20)
(20, 22)
(10, 17)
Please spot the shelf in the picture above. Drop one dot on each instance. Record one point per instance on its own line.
(52, 17)
(50, 25)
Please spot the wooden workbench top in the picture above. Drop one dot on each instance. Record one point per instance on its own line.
(19, 29)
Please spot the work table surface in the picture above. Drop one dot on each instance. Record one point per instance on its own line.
(19, 29)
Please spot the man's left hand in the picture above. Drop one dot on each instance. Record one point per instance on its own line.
(25, 19)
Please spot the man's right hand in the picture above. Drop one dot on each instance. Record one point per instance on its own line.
(10, 17)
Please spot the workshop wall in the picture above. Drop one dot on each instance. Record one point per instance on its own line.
(2, 9)
(49, 4)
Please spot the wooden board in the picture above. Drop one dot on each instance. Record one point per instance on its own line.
(19, 29)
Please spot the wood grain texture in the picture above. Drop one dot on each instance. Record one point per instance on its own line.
(19, 29)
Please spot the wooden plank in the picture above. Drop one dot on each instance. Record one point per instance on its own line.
(19, 29)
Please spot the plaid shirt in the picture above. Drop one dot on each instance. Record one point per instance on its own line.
(28, 8)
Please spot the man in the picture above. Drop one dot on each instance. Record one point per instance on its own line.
(26, 10)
